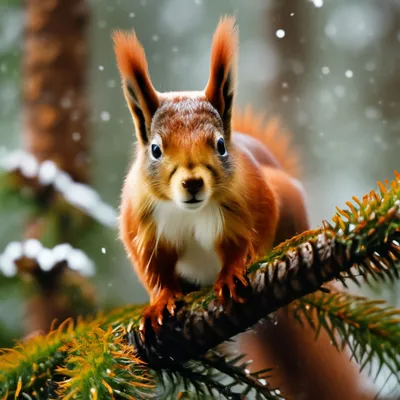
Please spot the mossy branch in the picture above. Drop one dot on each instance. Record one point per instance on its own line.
(362, 243)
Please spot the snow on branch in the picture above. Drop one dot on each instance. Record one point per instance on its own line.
(18, 254)
(47, 174)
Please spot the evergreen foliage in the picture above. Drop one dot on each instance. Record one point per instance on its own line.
(106, 358)
(370, 328)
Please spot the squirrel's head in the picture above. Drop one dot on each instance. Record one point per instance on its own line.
(184, 138)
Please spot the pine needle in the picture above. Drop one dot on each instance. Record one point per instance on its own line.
(361, 244)
(369, 327)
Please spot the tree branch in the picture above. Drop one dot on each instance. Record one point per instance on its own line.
(365, 244)
(370, 328)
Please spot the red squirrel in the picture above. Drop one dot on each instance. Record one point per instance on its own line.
(210, 189)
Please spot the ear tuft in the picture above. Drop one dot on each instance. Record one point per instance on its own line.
(130, 53)
(224, 54)
(139, 92)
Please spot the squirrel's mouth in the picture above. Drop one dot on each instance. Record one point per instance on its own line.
(193, 201)
(193, 204)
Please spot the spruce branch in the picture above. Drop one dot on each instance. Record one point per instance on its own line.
(369, 327)
(98, 365)
(362, 244)
(193, 378)
(213, 374)
(30, 361)
(253, 381)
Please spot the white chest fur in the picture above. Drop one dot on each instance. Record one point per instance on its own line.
(194, 234)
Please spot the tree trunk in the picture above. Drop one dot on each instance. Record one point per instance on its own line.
(54, 100)
(55, 116)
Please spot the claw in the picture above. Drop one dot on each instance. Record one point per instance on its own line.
(154, 313)
(141, 333)
(141, 326)
(229, 281)
(171, 309)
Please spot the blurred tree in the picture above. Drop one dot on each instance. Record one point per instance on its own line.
(55, 111)
(322, 372)
(54, 70)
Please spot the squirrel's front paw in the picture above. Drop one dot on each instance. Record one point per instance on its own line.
(227, 284)
(154, 313)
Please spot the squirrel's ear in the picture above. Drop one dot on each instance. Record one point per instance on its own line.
(221, 84)
(139, 92)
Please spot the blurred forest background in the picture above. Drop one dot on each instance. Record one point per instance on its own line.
(329, 69)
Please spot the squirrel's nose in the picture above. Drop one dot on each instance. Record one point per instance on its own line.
(193, 186)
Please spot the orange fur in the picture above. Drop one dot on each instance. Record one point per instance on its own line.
(224, 47)
(139, 92)
(254, 199)
(272, 137)
(258, 201)
(129, 53)
(223, 54)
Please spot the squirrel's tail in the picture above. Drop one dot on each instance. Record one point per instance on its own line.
(271, 134)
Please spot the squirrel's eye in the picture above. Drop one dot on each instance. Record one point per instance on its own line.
(156, 151)
(221, 147)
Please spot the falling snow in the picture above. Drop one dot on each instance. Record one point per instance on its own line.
(105, 116)
(280, 33)
(325, 70)
(318, 3)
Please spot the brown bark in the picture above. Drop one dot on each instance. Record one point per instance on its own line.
(55, 112)
(59, 298)
(54, 99)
